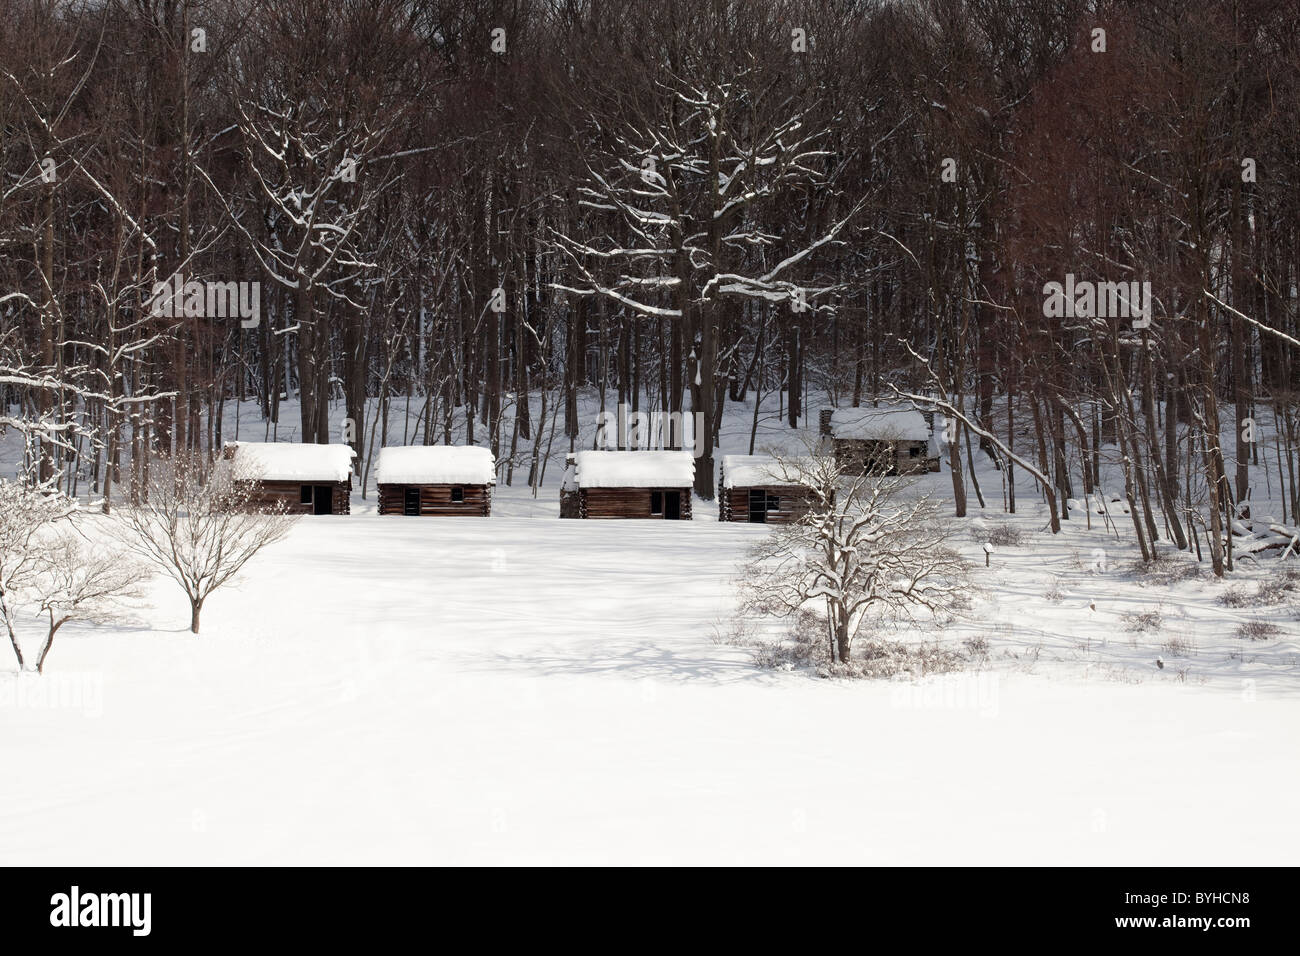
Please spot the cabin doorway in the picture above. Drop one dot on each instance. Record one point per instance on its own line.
(672, 505)
(757, 506)
(411, 501)
(322, 502)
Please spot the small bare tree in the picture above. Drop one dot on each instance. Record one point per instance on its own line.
(199, 523)
(47, 570)
(26, 516)
(77, 582)
(862, 547)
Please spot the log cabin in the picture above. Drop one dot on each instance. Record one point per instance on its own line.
(435, 480)
(759, 489)
(628, 484)
(879, 440)
(303, 479)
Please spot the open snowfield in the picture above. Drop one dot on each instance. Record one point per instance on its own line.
(521, 689)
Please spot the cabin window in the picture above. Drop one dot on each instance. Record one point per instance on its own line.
(656, 502)
(457, 494)
(773, 502)
(305, 495)
(914, 451)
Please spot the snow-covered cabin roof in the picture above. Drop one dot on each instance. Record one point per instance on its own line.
(634, 469)
(435, 465)
(887, 422)
(290, 461)
(762, 471)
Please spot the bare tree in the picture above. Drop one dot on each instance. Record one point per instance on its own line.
(26, 515)
(864, 547)
(78, 582)
(198, 523)
(686, 186)
(313, 135)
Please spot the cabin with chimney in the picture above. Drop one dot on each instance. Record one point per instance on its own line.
(628, 484)
(880, 439)
(303, 479)
(435, 480)
(759, 489)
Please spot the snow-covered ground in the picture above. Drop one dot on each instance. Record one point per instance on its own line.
(520, 689)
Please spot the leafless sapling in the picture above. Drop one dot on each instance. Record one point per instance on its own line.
(200, 524)
(80, 582)
(26, 515)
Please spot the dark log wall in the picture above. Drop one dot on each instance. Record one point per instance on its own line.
(733, 503)
(267, 495)
(618, 503)
(570, 504)
(435, 500)
(884, 457)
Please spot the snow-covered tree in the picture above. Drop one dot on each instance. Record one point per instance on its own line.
(865, 547)
(313, 130)
(700, 198)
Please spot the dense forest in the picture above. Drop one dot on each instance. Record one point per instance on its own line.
(484, 210)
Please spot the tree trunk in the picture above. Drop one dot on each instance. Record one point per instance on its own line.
(842, 637)
(49, 642)
(18, 651)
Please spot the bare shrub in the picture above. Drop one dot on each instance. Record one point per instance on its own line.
(1258, 631)
(1278, 587)
(1141, 622)
(738, 632)
(1120, 675)
(1166, 569)
(1179, 647)
(878, 659)
(1002, 534)
(959, 603)
(1054, 592)
(1235, 596)
(772, 655)
(807, 647)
